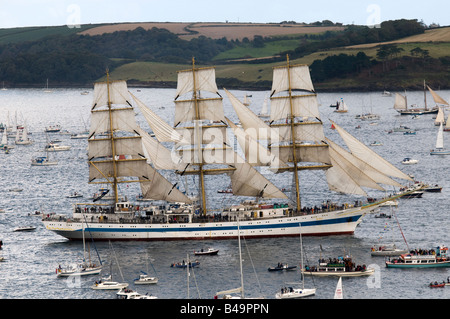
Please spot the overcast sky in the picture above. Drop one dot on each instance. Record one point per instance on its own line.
(22, 13)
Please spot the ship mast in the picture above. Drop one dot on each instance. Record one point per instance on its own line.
(111, 135)
(198, 141)
(292, 124)
(305, 136)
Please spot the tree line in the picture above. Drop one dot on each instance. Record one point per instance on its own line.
(81, 59)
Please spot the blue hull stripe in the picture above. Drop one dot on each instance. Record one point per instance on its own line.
(228, 228)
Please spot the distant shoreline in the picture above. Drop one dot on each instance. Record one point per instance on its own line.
(248, 86)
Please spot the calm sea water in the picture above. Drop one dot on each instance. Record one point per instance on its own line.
(31, 258)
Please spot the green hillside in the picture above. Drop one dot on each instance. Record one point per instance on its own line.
(17, 35)
(396, 55)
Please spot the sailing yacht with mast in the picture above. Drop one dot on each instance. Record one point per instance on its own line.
(440, 150)
(201, 148)
(401, 103)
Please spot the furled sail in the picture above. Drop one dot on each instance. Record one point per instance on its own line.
(364, 153)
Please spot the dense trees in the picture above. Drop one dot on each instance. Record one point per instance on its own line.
(82, 59)
(341, 65)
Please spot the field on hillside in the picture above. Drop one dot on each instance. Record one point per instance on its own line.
(433, 35)
(217, 30)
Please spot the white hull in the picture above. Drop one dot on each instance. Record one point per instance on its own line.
(109, 285)
(330, 223)
(367, 272)
(296, 293)
(77, 272)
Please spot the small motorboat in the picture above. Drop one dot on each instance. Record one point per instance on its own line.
(225, 191)
(25, 228)
(107, 284)
(145, 279)
(387, 250)
(183, 264)
(75, 195)
(126, 293)
(53, 128)
(383, 215)
(432, 189)
(294, 293)
(409, 161)
(281, 267)
(209, 251)
(54, 147)
(437, 285)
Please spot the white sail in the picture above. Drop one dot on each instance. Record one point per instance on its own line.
(120, 157)
(302, 105)
(160, 156)
(265, 108)
(251, 123)
(339, 294)
(123, 120)
(204, 79)
(121, 167)
(163, 131)
(440, 138)
(129, 146)
(364, 153)
(440, 117)
(400, 102)
(361, 168)
(4, 138)
(437, 99)
(114, 92)
(159, 188)
(208, 109)
(299, 79)
(254, 153)
(247, 181)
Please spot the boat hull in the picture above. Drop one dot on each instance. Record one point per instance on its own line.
(331, 223)
(367, 272)
(396, 252)
(87, 272)
(296, 293)
(417, 265)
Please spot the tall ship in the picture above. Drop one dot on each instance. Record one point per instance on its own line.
(120, 151)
